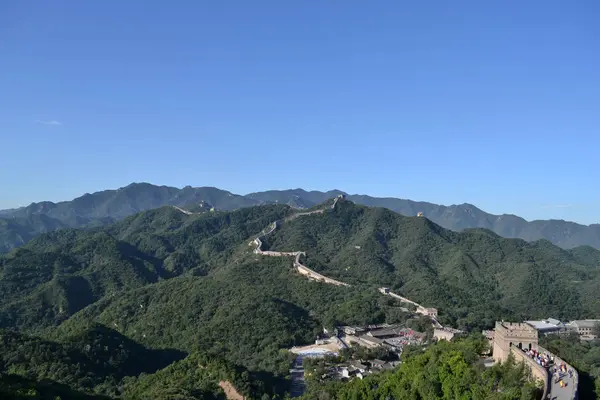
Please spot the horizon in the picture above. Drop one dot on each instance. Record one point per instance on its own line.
(291, 189)
(486, 104)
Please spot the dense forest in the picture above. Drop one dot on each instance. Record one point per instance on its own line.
(166, 297)
(474, 277)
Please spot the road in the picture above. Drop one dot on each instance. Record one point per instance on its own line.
(297, 373)
(562, 393)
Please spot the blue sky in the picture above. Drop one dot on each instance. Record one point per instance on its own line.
(491, 103)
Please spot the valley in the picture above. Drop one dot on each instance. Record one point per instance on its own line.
(238, 289)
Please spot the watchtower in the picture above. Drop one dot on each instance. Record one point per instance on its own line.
(506, 334)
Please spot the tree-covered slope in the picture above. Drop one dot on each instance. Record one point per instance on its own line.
(168, 280)
(195, 377)
(473, 276)
(18, 226)
(247, 311)
(95, 359)
(59, 273)
(15, 232)
(16, 387)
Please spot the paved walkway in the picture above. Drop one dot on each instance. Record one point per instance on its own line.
(562, 393)
(298, 384)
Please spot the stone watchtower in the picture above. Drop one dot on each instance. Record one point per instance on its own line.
(506, 334)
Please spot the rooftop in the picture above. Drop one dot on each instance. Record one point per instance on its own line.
(546, 325)
(383, 332)
(585, 323)
(371, 339)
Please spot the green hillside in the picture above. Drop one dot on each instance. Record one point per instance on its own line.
(473, 277)
(18, 226)
(170, 284)
(59, 273)
(95, 359)
(16, 387)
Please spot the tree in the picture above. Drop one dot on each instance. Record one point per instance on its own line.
(596, 330)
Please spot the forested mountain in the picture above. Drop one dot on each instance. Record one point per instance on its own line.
(97, 357)
(474, 276)
(172, 284)
(17, 387)
(101, 361)
(18, 226)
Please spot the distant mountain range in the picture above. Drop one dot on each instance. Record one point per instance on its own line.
(18, 226)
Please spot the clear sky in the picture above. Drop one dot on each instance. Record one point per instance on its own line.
(495, 103)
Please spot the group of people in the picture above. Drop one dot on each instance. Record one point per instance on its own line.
(545, 360)
(559, 372)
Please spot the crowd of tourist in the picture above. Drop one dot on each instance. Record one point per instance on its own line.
(545, 360)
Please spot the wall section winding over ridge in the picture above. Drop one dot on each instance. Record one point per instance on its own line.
(302, 269)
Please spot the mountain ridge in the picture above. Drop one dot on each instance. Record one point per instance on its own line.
(165, 280)
(18, 226)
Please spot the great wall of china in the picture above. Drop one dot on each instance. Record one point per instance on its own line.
(186, 212)
(515, 339)
(311, 274)
(550, 387)
(302, 269)
(505, 339)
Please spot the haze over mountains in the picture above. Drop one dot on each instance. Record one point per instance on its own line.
(18, 226)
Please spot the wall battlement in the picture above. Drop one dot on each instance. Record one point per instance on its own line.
(516, 330)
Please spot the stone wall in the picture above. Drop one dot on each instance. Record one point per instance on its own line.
(277, 253)
(299, 267)
(537, 371)
(315, 275)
